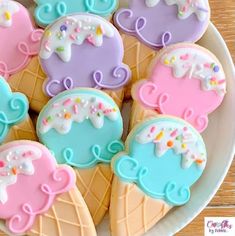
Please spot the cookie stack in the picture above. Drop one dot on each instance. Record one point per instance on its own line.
(63, 160)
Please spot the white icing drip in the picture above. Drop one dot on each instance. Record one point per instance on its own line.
(197, 64)
(187, 7)
(151, 3)
(7, 9)
(167, 135)
(14, 161)
(70, 30)
(76, 108)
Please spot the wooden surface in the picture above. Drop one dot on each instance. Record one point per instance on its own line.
(223, 204)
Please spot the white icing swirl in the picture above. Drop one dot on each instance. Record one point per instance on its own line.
(167, 135)
(14, 161)
(76, 108)
(151, 3)
(75, 29)
(197, 64)
(7, 9)
(186, 7)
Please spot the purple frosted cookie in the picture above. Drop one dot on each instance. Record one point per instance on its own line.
(158, 23)
(82, 50)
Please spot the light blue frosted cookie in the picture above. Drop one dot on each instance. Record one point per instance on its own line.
(164, 157)
(83, 127)
(48, 11)
(13, 108)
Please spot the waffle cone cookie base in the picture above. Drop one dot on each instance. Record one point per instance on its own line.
(138, 57)
(30, 82)
(95, 187)
(140, 113)
(23, 131)
(133, 213)
(68, 216)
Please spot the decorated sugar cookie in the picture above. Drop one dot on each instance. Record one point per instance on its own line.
(13, 109)
(83, 128)
(82, 50)
(185, 80)
(163, 158)
(32, 184)
(48, 11)
(158, 23)
(19, 38)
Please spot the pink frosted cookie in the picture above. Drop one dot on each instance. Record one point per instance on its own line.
(19, 39)
(185, 80)
(30, 182)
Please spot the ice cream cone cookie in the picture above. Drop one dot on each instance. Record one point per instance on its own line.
(47, 201)
(163, 158)
(19, 39)
(29, 81)
(47, 11)
(82, 50)
(23, 131)
(13, 110)
(83, 128)
(137, 56)
(185, 80)
(158, 23)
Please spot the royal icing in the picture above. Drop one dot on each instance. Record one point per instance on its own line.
(48, 11)
(70, 30)
(164, 157)
(30, 182)
(187, 7)
(19, 39)
(13, 108)
(13, 162)
(83, 127)
(7, 10)
(140, 20)
(189, 76)
(180, 139)
(195, 64)
(77, 108)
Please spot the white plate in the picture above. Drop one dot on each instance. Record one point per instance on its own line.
(219, 138)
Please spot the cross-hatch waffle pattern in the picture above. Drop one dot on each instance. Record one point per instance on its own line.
(95, 187)
(138, 57)
(133, 213)
(30, 82)
(68, 216)
(139, 114)
(23, 131)
(117, 95)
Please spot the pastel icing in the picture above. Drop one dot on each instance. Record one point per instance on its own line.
(72, 54)
(19, 39)
(13, 108)
(186, 7)
(189, 76)
(7, 9)
(47, 12)
(164, 157)
(158, 23)
(75, 30)
(82, 127)
(30, 182)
